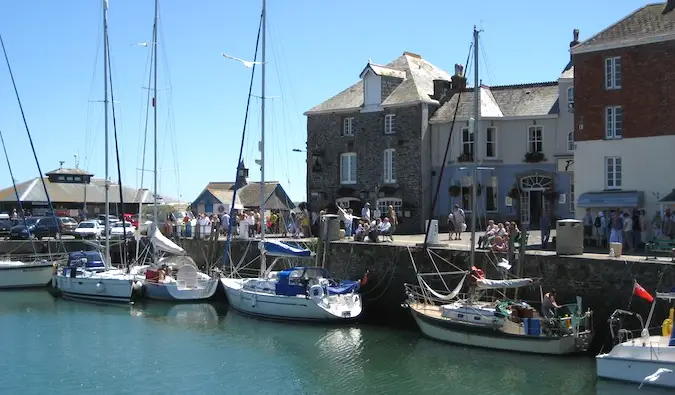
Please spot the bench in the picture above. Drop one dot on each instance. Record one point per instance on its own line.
(659, 246)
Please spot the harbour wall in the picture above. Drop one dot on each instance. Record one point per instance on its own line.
(604, 284)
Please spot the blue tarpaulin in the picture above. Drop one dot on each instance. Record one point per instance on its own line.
(94, 259)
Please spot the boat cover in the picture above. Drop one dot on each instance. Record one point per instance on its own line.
(278, 248)
(94, 259)
(162, 243)
(344, 287)
(496, 284)
(293, 281)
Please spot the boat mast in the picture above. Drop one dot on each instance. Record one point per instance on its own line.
(154, 106)
(263, 222)
(476, 144)
(105, 112)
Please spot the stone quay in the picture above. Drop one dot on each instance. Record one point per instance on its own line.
(604, 283)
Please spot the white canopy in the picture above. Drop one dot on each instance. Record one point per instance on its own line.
(162, 243)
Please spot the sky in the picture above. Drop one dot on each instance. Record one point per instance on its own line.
(315, 49)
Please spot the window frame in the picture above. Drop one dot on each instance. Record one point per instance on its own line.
(390, 124)
(389, 162)
(571, 145)
(570, 97)
(383, 204)
(613, 73)
(611, 123)
(616, 175)
(353, 171)
(348, 127)
(471, 143)
(531, 141)
(493, 142)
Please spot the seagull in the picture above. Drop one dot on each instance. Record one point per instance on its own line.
(246, 63)
(654, 376)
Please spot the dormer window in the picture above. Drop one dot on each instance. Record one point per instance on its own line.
(372, 91)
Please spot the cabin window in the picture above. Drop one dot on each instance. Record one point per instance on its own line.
(476, 318)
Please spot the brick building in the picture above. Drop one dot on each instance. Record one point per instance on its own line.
(364, 144)
(624, 89)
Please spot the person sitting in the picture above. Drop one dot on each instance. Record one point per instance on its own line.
(374, 231)
(360, 232)
(385, 229)
(490, 232)
(499, 244)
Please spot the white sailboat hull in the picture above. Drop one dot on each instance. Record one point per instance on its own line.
(174, 291)
(632, 362)
(106, 286)
(295, 308)
(464, 335)
(25, 275)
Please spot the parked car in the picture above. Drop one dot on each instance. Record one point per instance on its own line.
(111, 219)
(68, 225)
(88, 230)
(37, 227)
(5, 227)
(117, 230)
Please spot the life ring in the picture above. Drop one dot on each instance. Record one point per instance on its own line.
(316, 292)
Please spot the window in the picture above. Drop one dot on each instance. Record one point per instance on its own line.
(390, 124)
(570, 141)
(613, 122)
(348, 126)
(390, 166)
(613, 172)
(535, 141)
(613, 73)
(466, 194)
(467, 142)
(491, 199)
(570, 97)
(383, 205)
(348, 168)
(344, 203)
(491, 142)
(571, 192)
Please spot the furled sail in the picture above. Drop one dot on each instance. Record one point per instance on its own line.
(495, 284)
(162, 243)
(450, 296)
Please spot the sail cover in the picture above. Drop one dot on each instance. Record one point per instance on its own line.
(162, 243)
(278, 248)
(495, 284)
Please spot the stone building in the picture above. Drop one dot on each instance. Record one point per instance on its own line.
(624, 85)
(365, 143)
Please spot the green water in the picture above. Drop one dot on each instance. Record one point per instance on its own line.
(65, 347)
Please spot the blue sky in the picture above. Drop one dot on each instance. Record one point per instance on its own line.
(315, 50)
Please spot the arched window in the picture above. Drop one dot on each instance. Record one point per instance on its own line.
(570, 141)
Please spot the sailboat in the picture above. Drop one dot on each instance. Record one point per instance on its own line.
(189, 284)
(474, 319)
(300, 293)
(81, 279)
(644, 358)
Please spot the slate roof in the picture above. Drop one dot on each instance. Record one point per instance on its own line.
(568, 73)
(32, 191)
(249, 195)
(647, 22)
(417, 86)
(503, 101)
(669, 198)
(70, 172)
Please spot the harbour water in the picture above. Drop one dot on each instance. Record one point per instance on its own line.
(65, 347)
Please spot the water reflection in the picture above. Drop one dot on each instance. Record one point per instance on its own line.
(191, 315)
(604, 387)
(25, 301)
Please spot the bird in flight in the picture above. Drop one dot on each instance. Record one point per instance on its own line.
(246, 63)
(654, 376)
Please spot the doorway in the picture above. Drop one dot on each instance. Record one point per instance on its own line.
(533, 204)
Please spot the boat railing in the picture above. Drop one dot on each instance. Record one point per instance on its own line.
(26, 258)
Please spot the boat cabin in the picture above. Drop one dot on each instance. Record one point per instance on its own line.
(87, 260)
(294, 281)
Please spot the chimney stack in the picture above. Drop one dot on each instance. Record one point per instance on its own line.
(574, 42)
(458, 80)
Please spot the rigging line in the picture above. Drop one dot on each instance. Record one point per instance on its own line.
(30, 138)
(447, 151)
(87, 136)
(16, 192)
(280, 80)
(488, 64)
(147, 120)
(123, 243)
(241, 145)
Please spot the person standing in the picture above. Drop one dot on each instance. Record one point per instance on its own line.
(393, 221)
(459, 221)
(365, 212)
(545, 226)
(588, 227)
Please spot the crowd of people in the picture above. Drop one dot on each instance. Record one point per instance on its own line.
(497, 236)
(631, 229)
(372, 226)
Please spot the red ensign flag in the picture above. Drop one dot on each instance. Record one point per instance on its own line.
(641, 292)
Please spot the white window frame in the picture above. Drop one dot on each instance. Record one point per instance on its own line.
(572, 207)
(570, 97)
(389, 161)
(383, 204)
(493, 142)
(348, 126)
(613, 75)
(571, 145)
(494, 184)
(390, 124)
(613, 122)
(470, 143)
(533, 141)
(353, 166)
(613, 179)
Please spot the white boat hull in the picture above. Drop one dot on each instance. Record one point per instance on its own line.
(173, 291)
(25, 275)
(632, 362)
(108, 287)
(467, 337)
(295, 308)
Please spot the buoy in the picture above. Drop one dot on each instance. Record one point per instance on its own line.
(100, 287)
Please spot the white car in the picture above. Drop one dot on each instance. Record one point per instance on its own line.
(88, 230)
(117, 230)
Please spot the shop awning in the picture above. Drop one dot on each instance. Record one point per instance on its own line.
(609, 199)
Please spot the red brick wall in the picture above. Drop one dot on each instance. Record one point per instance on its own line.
(647, 95)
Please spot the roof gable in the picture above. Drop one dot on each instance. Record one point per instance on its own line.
(645, 25)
